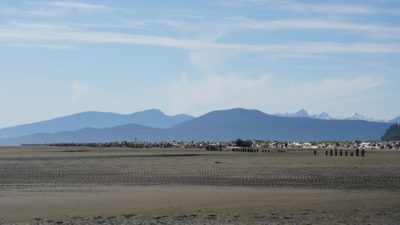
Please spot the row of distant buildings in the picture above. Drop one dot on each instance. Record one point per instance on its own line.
(369, 145)
(232, 145)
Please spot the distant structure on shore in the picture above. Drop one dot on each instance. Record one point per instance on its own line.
(240, 144)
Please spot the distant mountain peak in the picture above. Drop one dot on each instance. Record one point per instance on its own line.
(151, 112)
(395, 120)
(221, 125)
(355, 116)
(302, 113)
(158, 112)
(151, 118)
(324, 116)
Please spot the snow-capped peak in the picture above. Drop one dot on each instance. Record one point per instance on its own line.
(355, 116)
(323, 116)
(304, 114)
(300, 113)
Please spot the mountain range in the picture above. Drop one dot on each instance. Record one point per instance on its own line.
(220, 125)
(325, 116)
(304, 114)
(151, 118)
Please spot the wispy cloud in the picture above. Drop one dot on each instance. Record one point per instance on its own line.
(320, 8)
(373, 30)
(211, 92)
(77, 89)
(38, 45)
(51, 9)
(78, 6)
(41, 32)
(224, 26)
(27, 12)
(240, 91)
(207, 60)
(333, 8)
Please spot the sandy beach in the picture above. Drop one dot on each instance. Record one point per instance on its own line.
(45, 185)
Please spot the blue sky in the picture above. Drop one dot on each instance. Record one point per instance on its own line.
(63, 57)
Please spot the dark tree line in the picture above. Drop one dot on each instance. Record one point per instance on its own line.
(392, 134)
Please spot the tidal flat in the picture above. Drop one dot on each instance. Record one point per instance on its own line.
(84, 185)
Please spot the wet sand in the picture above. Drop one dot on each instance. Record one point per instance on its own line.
(122, 186)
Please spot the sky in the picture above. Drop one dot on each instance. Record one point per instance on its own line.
(64, 57)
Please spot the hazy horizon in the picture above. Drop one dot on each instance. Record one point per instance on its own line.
(64, 57)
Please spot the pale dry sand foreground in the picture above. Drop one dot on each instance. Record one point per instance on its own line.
(198, 205)
(121, 186)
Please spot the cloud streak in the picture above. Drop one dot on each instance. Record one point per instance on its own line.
(51, 9)
(224, 26)
(43, 32)
(78, 89)
(320, 8)
(45, 46)
(78, 6)
(372, 30)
